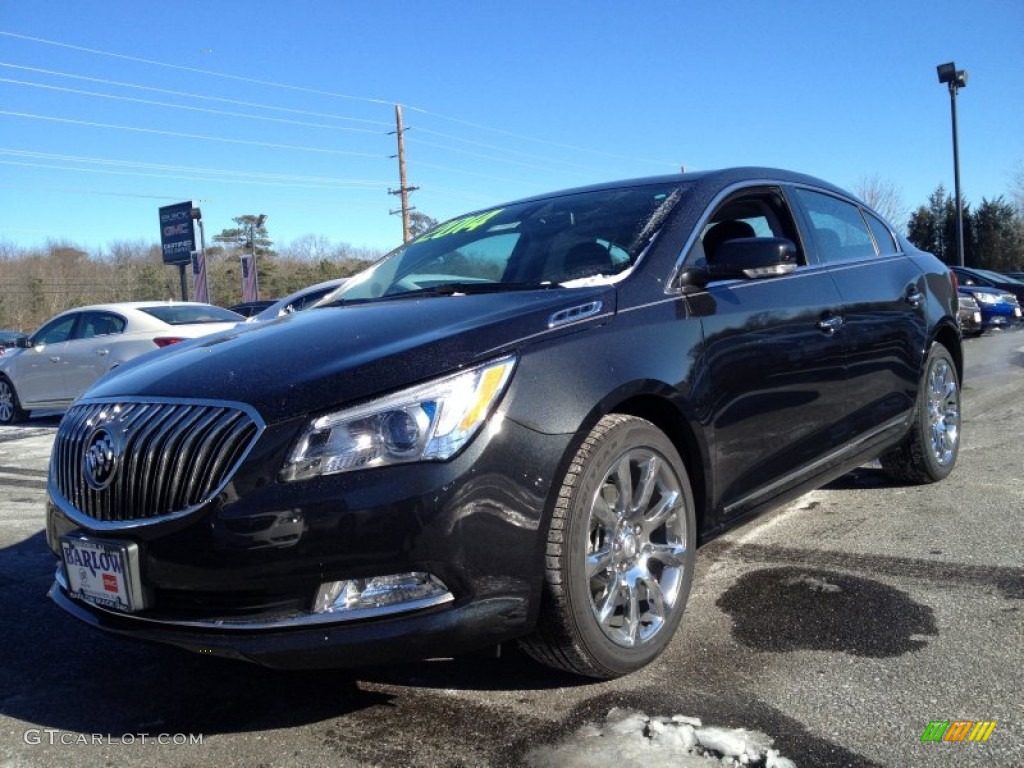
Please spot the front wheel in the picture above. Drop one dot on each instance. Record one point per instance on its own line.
(620, 553)
(929, 451)
(10, 408)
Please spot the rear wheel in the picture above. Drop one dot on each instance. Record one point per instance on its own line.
(620, 553)
(929, 452)
(10, 408)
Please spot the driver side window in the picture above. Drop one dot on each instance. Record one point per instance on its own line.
(55, 332)
(760, 213)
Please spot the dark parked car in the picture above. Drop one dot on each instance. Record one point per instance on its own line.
(970, 315)
(9, 339)
(986, 278)
(250, 308)
(999, 308)
(302, 299)
(518, 426)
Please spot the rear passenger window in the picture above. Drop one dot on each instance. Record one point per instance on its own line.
(883, 237)
(838, 227)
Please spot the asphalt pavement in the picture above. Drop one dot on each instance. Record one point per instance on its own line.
(840, 626)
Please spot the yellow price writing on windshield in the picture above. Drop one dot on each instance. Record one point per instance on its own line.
(465, 224)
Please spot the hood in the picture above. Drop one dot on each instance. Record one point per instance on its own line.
(323, 358)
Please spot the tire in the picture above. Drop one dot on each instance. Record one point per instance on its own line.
(10, 407)
(929, 451)
(617, 573)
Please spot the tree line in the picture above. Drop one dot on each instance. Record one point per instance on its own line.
(37, 283)
(993, 232)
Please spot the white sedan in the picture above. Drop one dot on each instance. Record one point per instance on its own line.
(58, 362)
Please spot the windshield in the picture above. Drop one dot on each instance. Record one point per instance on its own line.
(997, 277)
(569, 240)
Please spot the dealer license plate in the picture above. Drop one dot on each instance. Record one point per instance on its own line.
(104, 573)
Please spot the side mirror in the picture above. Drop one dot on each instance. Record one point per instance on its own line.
(23, 342)
(744, 258)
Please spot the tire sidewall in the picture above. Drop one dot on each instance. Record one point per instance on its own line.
(620, 439)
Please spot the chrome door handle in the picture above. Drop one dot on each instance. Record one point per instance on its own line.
(54, 359)
(830, 324)
(102, 352)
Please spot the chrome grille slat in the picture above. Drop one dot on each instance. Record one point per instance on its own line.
(173, 457)
(201, 468)
(190, 445)
(144, 456)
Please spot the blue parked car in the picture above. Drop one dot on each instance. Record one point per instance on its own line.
(999, 309)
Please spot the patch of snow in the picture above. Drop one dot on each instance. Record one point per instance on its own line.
(586, 282)
(630, 739)
(818, 585)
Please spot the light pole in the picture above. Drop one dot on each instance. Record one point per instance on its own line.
(956, 79)
(199, 266)
(250, 281)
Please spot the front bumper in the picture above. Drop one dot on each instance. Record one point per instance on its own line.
(238, 577)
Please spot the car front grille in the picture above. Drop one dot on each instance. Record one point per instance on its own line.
(116, 461)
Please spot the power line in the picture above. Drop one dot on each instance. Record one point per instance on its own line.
(196, 70)
(304, 89)
(188, 135)
(187, 94)
(186, 168)
(193, 179)
(207, 110)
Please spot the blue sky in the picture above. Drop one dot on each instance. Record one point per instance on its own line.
(285, 108)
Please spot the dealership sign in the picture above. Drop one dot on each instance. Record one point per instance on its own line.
(176, 235)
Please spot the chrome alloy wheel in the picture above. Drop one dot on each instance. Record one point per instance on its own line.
(635, 547)
(6, 402)
(943, 412)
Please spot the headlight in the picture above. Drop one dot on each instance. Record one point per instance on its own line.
(987, 298)
(428, 422)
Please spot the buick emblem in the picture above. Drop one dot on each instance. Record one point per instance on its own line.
(100, 462)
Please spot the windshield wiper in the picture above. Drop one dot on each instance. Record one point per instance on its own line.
(446, 289)
(454, 288)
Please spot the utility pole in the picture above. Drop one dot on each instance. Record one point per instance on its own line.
(403, 188)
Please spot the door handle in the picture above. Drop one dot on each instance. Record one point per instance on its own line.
(102, 352)
(54, 359)
(830, 324)
(914, 297)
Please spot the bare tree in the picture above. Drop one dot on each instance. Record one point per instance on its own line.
(885, 197)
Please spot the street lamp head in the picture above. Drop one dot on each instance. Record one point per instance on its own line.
(948, 73)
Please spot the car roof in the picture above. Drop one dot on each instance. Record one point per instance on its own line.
(710, 179)
(128, 305)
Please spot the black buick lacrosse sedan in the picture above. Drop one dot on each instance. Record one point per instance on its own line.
(518, 426)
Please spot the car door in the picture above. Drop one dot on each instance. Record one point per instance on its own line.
(39, 373)
(86, 354)
(775, 363)
(882, 290)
